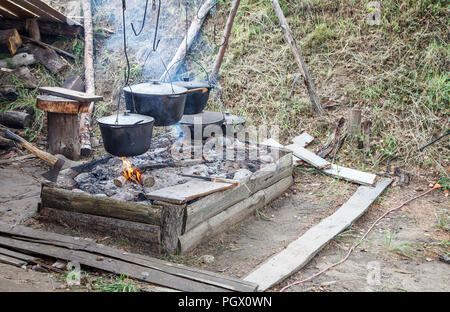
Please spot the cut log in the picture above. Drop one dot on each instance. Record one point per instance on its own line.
(14, 119)
(56, 104)
(20, 59)
(103, 225)
(171, 227)
(45, 27)
(147, 181)
(184, 47)
(85, 119)
(226, 38)
(32, 26)
(315, 101)
(62, 135)
(11, 38)
(47, 57)
(354, 122)
(45, 45)
(99, 206)
(120, 181)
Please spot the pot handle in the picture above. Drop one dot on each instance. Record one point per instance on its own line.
(204, 90)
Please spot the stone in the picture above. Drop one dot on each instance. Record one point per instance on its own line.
(207, 259)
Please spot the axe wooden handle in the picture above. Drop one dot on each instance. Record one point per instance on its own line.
(41, 154)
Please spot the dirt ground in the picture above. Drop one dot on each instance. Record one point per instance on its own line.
(401, 254)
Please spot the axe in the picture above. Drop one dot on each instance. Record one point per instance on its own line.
(56, 162)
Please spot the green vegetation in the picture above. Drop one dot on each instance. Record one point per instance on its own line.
(115, 284)
(396, 71)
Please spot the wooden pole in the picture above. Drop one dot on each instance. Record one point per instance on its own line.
(85, 119)
(226, 37)
(181, 53)
(315, 101)
(354, 121)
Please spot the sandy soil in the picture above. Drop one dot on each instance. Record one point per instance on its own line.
(401, 254)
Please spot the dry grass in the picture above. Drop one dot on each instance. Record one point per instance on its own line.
(396, 71)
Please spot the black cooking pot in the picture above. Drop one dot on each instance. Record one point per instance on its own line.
(162, 101)
(232, 124)
(126, 135)
(197, 97)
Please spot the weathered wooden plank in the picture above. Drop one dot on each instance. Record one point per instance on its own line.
(111, 265)
(17, 255)
(153, 263)
(71, 94)
(303, 139)
(99, 206)
(12, 261)
(181, 193)
(232, 215)
(103, 225)
(351, 175)
(211, 205)
(43, 15)
(46, 8)
(301, 251)
(308, 156)
(340, 172)
(17, 10)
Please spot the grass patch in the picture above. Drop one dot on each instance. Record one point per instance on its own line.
(115, 284)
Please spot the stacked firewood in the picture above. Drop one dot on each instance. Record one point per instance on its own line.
(22, 38)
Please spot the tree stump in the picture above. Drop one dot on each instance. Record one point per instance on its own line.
(63, 124)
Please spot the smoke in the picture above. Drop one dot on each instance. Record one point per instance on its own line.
(170, 33)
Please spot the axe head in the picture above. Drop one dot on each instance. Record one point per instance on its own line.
(52, 174)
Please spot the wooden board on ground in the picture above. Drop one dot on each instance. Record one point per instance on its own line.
(298, 253)
(339, 172)
(87, 252)
(308, 156)
(71, 94)
(179, 194)
(303, 139)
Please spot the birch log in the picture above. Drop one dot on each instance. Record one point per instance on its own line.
(315, 101)
(85, 119)
(181, 53)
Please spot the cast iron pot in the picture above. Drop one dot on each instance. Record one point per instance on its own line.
(198, 95)
(163, 101)
(130, 136)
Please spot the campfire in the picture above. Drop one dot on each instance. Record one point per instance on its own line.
(131, 174)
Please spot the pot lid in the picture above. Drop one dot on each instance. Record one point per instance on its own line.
(126, 119)
(203, 118)
(155, 88)
(233, 119)
(192, 84)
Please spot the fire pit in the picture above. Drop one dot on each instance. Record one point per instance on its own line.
(156, 198)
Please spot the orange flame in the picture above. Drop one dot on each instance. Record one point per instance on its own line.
(130, 173)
